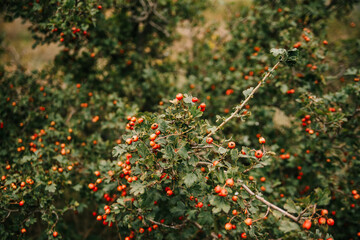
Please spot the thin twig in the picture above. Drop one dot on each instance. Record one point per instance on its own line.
(303, 212)
(266, 214)
(117, 228)
(245, 101)
(176, 134)
(57, 219)
(203, 163)
(166, 33)
(177, 227)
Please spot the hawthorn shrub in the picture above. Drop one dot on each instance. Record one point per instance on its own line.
(317, 145)
(57, 123)
(233, 173)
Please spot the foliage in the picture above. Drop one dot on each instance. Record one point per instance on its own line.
(184, 168)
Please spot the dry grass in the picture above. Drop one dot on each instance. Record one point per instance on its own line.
(18, 47)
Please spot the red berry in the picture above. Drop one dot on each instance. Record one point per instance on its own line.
(231, 145)
(330, 222)
(324, 212)
(217, 189)
(230, 182)
(135, 138)
(258, 154)
(261, 140)
(248, 221)
(194, 99)
(228, 226)
(322, 220)
(179, 96)
(307, 224)
(209, 140)
(223, 192)
(55, 234)
(202, 105)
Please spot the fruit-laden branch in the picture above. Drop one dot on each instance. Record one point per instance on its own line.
(245, 101)
(285, 213)
(177, 227)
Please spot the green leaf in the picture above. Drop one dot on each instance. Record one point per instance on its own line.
(169, 152)
(323, 196)
(278, 52)
(205, 219)
(234, 153)
(195, 112)
(187, 98)
(143, 150)
(162, 126)
(293, 56)
(60, 159)
(222, 150)
(287, 226)
(284, 88)
(248, 91)
(183, 153)
(221, 176)
(77, 187)
(179, 209)
(277, 214)
(290, 206)
(51, 188)
(193, 160)
(137, 188)
(220, 204)
(26, 159)
(190, 179)
(118, 151)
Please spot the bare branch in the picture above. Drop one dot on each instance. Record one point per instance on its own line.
(203, 163)
(285, 213)
(167, 34)
(245, 101)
